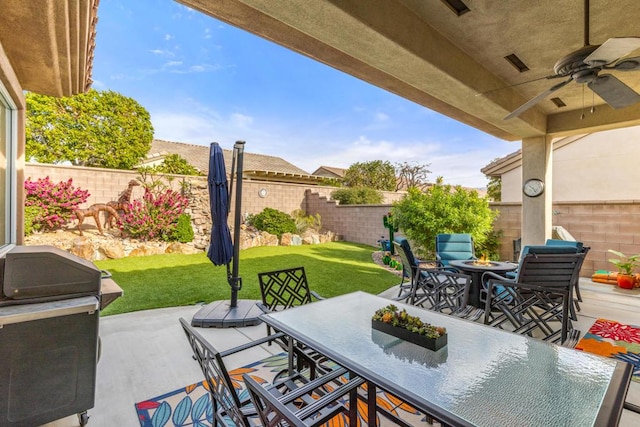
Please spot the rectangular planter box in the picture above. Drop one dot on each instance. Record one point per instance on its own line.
(421, 340)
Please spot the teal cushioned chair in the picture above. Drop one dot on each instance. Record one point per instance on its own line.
(451, 247)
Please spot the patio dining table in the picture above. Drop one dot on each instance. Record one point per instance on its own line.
(483, 377)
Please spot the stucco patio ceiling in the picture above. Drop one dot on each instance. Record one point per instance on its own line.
(50, 43)
(454, 64)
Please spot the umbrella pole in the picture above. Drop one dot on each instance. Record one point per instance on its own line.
(234, 281)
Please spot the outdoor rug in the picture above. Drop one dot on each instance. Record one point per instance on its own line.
(616, 340)
(191, 405)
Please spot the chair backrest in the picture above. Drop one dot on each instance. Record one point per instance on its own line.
(543, 249)
(409, 263)
(451, 247)
(216, 375)
(284, 289)
(550, 269)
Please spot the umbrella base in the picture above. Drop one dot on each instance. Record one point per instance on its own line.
(219, 314)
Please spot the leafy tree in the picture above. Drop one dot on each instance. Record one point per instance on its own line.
(494, 188)
(100, 129)
(443, 209)
(411, 175)
(357, 196)
(174, 164)
(374, 174)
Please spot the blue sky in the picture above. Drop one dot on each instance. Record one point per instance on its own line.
(203, 80)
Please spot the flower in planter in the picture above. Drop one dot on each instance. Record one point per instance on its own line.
(402, 319)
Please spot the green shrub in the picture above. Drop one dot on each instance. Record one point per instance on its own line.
(358, 196)
(31, 213)
(183, 232)
(305, 222)
(443, 209)
(274, 221)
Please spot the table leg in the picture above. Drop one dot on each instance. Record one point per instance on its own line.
(474, 292)
(291, 356)
(372, 413)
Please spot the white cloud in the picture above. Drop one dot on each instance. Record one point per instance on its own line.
(382, 117)
(172, 64)
(207, 34)
(168, 37)
(196, 124)
(161, 52)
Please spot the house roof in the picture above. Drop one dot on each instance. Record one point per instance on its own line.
(256, 166)
(330, 172)
(50, 43)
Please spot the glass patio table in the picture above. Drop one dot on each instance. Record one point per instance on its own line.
(483, 377)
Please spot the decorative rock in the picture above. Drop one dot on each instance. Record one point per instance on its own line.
(112, 250)
(285, 239)
(144, 250)
(269, 239)
(83, 247)
(296, 240)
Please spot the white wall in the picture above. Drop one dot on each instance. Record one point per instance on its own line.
(599, 166)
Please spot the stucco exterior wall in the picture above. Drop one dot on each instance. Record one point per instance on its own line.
(598, 166)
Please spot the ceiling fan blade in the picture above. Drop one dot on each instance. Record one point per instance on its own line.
(613, 91)
(629, 64)
(533, 101)
(613, 49)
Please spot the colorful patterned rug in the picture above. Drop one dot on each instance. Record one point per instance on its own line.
(616, 340)
(191, 405)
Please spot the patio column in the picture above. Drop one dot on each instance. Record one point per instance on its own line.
(537, 211)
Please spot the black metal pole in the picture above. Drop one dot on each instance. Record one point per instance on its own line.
(235, 281)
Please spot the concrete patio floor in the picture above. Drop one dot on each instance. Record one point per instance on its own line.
(145, 354)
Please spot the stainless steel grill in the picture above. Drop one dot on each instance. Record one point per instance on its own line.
(49, 317)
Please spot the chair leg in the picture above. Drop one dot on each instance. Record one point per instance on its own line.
(578, 296)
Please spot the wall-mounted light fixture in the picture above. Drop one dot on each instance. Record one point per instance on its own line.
(263, 192)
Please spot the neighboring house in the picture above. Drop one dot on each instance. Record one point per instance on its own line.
(330, 172)
(602, 166)
(259, 167)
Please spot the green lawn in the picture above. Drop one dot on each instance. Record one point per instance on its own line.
(172, 279)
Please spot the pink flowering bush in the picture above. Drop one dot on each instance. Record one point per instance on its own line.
(155, 216)
(51, 205)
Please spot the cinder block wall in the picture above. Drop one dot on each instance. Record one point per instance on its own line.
(356, 223)
(103, 185)
(360, 224)
(600, 225)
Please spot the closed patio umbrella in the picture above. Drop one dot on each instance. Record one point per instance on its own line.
(220, 247)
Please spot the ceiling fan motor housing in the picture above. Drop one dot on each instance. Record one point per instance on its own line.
(574, 61)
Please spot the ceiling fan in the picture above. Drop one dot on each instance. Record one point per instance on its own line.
(585, 64)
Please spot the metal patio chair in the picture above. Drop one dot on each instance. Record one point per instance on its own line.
(281, 290)
(410, 266)
(309, 406)
(537, 302)
(225, 397)
(445, 292)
